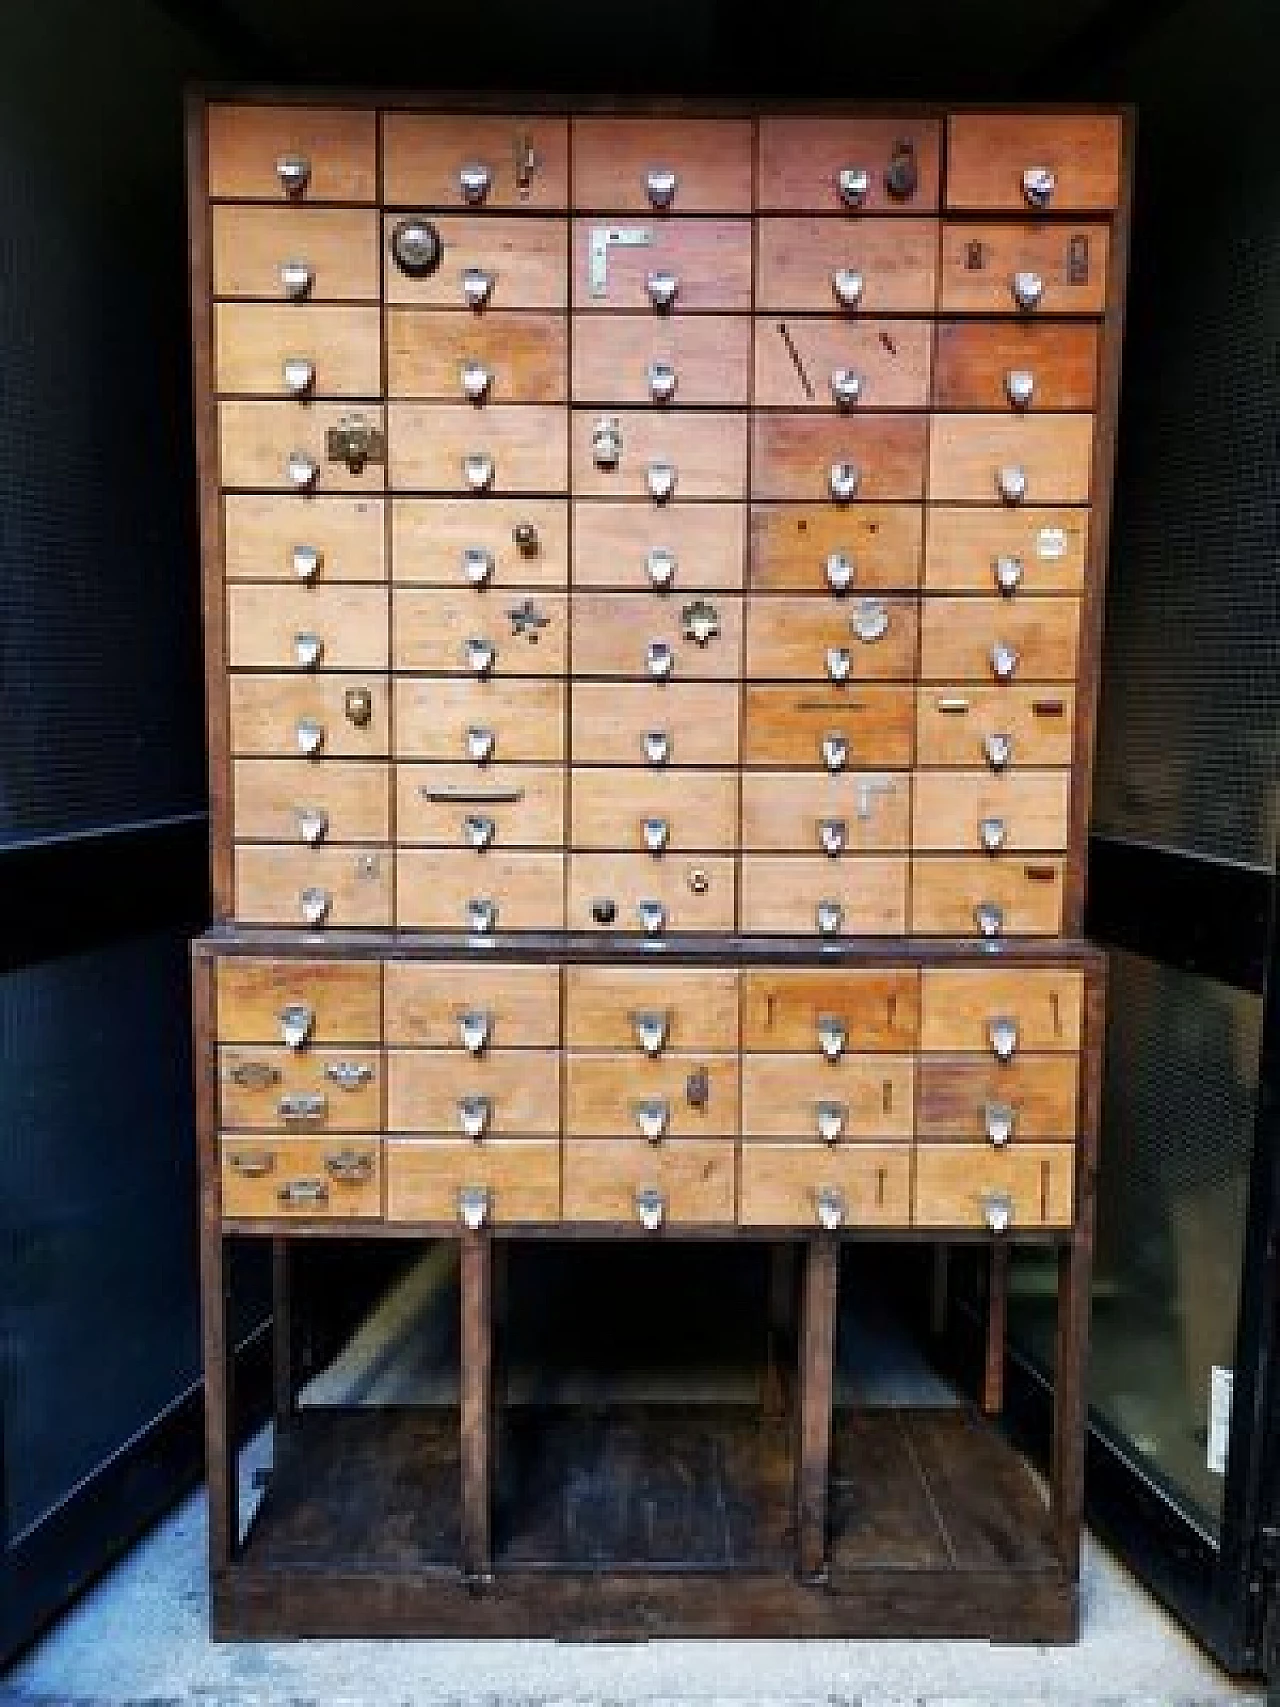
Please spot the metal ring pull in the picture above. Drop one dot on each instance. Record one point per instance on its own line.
(989, 918)
(997, 1211)
(652, 1116)
(478, 471)
(660, 478)
(294, 173)
(474, 1116)
(313, 825)
(299, 376)
(473, 1207)
(661, 288)
(308, 649)
(1008, 574)
(843, 480)
(477, 565)
(474, 183)
(846, 387)
(1038, 185)
(832, 1036)
(310, 737)
(651, 1207)
(1027, 288)
(477, 287)
(476, 380)
(848, 284)
(482, 916)
(1004, 661)
(660, 187)
(297, 1022)
(301, 471)
(655, 833)
(992, 833)
(662, 381)
(315, 904)
(829, 1205)
(297, 280)
(854, 185)
(307, 562)
(829, 918)
(1020, 387)
(997, 750)
(1002, 1035)
(835, 752)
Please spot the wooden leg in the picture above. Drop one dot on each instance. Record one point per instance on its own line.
(476, 1404)
(1070, 1403)
(281, 1333)
(817, 1376)
(221, 1470)
(997, 1324)
(780, 1331)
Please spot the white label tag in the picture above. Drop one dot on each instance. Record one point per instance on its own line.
(628, 236)
(1220, 1385)
(1051, 543)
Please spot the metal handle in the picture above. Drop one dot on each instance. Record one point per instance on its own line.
(1020, 387)
(1004, 661)
(606, 443)
(997, 1122)
(997, 1210)
(480, 744)
(835, 752)
(662, 381)
(1008, 574)
(474, 183)
(660, 478)
(474, 1115)
(662, 289)
(833, 836)
(477, 287)
(473, 1207)
(843, 480)
(481, 655)
(351, 1167)
(830, 1118)
(651, 1027)
(297, 1022)
(482, 915)
(829, 1204)
(310, 736)
(252, 1164)
(655, 833)
(846, 387)
(992, 833)
(308, 649)
(829, 918)
(475, 1027)
(307, 562)
(839, 663)
(476, 380)
(657, 747)
(651, 1208)
(296, 279)
(479, 830)
(853, 184)
(1027, 288)
(1038, 185)
(1002, 1035)
(303, 1191)
(870, 620)
(839, 572)
(315, 904)
(660, 566)
(299, 376)
(477, 565)
(349, 1075)
(253, 1075)
(652, 915)
(659, 659)
(998, 750)
(478, 471)
(294, 173)
(652, 1115)
(301, 471)
(303, 1108)
(989, 918)
(848, 285)
(832, 1036)
(660, 187)
(1011, 482)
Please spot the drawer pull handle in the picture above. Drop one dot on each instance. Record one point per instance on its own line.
(660, 478)
(482, 916)
(299, 376)
(700, 622)
(651, 1027)
(831, 1117)
(310, 737)
(477, 565)
(479, 830)
(997, 1211)
(657, 747)
(1038, 185)
(306, 563)
(476, 380)
(997, 1122)
(661, 289)
(303, 1191)
(296, 280)
(989, 918)
(1004, 661)
(481, 656)
(833, 836)
(992, 833)
(656, 833)
(416, 248)
(351, 1167)
(303, 1108)
(829, 917)
(1011, 483)
(653, 917)
(839, 663)
(313, 825)
(1002, 1035)
(650, 1208)
(294, 173)
(1019, 387)
(853, 185)
(473, 183)
(829, 1204)
(832, 1036)
(846, 387)
(660, 660)
(870, 621)
(660, 566)
(478, 471)
(848, 284)
(475, 1027)
(473, 1207)
(652, 1115)
(349, 1075)
(1008, 574)
(606, 443)
(1028, 289)
(843, 480)
(998, 750)
(357, 704)
(662, 381)
(839, 572)
(297, 1022)
(308, 650)
(660, 187)
(835, 752)
(252, 1164)
(477, 287)
(474, 1115)
(314, 903)
(480, 744)
(253, 1075)
(301, 471)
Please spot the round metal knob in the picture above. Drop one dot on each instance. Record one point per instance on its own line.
(481, 656)
(474, 182)
(1002, 1034)
(313, 825)
(660, 187)
(833, 836)
(294, 173)
(992, 833)
(478, 471)
(1019, 387)
(650, 1208)
(989, 918)
(477, 565)
(480, 744)
(306, 562)
(308, 649)
(302, 471)
(299, 376)
(1011, 482)
(835, 752)
(297, 1021)
(315, 904)
(296, 279)
(657, 747)
(662, 381)
(846, 387)
(653, 917)
(660, 660)
(660, 478)
(829, 1205)
(829, 918)
(998, 750)
(1038, 185)
(416, 248)
(477, 287)
(839, 663)
(310, 737)
(839, 572)
(662, 289)
(1008, 574)
(482, 915)
(843, 479)
(479, 831)
(997, 1211)
(655, 833)
(475, 1026)
(606, 444)
(870, 622)
(854, 184)
(830, 1120)
(476, 380)
(1028, 288)
(660, 565)
(848, 285)
(1004, 661)
(473, 1207)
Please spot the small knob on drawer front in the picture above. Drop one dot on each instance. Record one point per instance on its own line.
(829, 918)
(657, 747)
(1011, 482)
(846, 387)
(660, 478)
(989, 918)
(662, 381)
(314, 904)
(902, 175)
(650, 1206)
(839, 663)
(1038, 185)
(992, 833)
(997, 1122)
(476, 380)
(830, 1118)
(832, 1036)
(473, 1207)
(650, 1028)
(659, 660)
(527, 542)
(830, 1209)
(480, 744)
(481, 656)
(652, 1116)
(839, 572)
(477, 565)
(660, 566)
(1008, 574)
(297, 1022)
(652, 916)
(296, 279)
(299, 376)
(479, 831)
(853, 183)
(474, 1115)
(606, 443)
(833, 836)
(310, 736)
(477, 287)
(301, 471)
(307, 562)
(294, 173)
(478, 471)
(843, 480)
(482, 915)
(997, 750)
(848, 285)
(661, 288)
(655, 833)
(475, 1027)
(416, 248)
(997, 1211)
(357, 704)
(1002, 1035)
(835, 752)
(1004, 662)
(660, 187)
(308, 649)
(1019, 387)
(1028, 288)
(313, 825)
(473, 184)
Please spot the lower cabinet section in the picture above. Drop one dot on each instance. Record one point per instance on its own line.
(267, 1174)
(502, 1182)
(687, 1182)
(807, 1185)
(1023, 1189)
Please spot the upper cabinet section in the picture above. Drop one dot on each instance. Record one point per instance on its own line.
(475, 160)
(1033, 162)
(293, 154)
(830, 165)
(660, 165)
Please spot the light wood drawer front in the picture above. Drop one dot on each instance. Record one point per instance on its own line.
(988, 153)
(863, 895)
(510, 721)
(426, 1177)
(801, 160)
(973, 811)
(525, 356)
(614, 358)
(984, 364)
(608, 1007)
(336, 247)
(284, 800)
(255, 342)
(856, 640)
(854, 812)
(318, 887)
(338, 145)
(980, 264)
(961, 1006)
(964, 725)
(799, 362)
(709, 259)
(269, 538)
(426, 1003)
(965, 546)
(462, 806)
(969, 454)
(329, 1179)
(525, 158)
(820, 726)
(525, 261)
(958, 1091)
(281, 716)
(430, 538)
(501, 1093)
(791, 545)
(694, 893)
(641, 635)
(698, 721)
(793, 455)
(436, 889)
(342, 1000)
(615, 158)
(946, 894)
(306, 628)
(624, 809)
(706, 454)
(852, 1097)
(655, 1098)
(262, 440)
(517, 447)
(960, 638)
(894, 263)
(864, 1185)
(812, 1010)
(698, 546)
(272, 1087)
(953, 1186)
(479, 633)
(691, 1181)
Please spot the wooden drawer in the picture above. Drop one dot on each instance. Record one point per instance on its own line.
(255, 342)
(793, 455)
(335, 248)
(947, 893)
(437, 629)
(524, 263)
(342, 1000)
(963, 725)
(957, 1090)
(610, 809)
(1023, 811)
(850, 812)
(683, 1096)
(958, 638)
(787, 894)
(791, 545)
(799, 362)
(277, 800)
(524, 356)
(701, 547)
(803, 264)
(516, 448)
(693, 1180)
(641, 635)
(825, 727)
(337, 145)
(426, 1002)
(262, 440)
(270, 1087)
(953, 1184)
(801, 160)
(270, 627)
(431, 536)
(965, 547)
(341, 717)
(318, 887)
(691, 1008)
(695, 894)
(267, 538)
(705, 453)
(615, 160)
(960, 1005)
(987, 364)
(989, 153)
(854, 640)
(967, 454)
(436, 887)
(815, 1009)
(614, 358)
(509, 721)
(709, 259)
(426, 1177)
(524, 157)
(328, 1179)
(504, 1093)
(810, 1098)
(516, 806)
(864, 1185)
(697, 722)
(980, 264)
